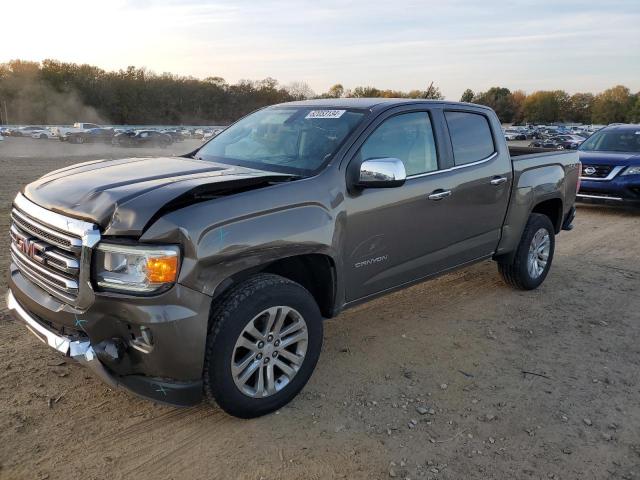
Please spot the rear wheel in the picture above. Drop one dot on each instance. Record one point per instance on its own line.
(534, 255)
(43, 136)
(264, 343)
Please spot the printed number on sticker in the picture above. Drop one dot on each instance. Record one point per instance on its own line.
(325, 114)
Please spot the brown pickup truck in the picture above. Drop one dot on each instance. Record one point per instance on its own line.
(208, 275)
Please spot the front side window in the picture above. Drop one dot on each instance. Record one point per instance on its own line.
(471, 136)
(408, 137)
(297, 140)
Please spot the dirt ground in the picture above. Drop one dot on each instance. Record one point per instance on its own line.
(428, 382)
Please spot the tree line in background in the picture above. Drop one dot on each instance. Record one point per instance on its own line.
(54, 92)
(616, 104)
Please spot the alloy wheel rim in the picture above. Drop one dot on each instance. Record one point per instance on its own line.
(269, 351)
(539, 253)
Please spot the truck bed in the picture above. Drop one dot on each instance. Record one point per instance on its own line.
(521, 151)
(525, 158)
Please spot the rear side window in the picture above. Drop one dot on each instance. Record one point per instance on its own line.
(471, 136)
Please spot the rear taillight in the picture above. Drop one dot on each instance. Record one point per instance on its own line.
(579, 175)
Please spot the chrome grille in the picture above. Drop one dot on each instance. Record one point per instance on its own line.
(53, 251)
(30, 225)
(596, 171)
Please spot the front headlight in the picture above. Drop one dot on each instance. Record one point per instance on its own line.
(138, 269)
(632, 170)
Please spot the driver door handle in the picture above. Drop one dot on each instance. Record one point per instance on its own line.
(498, 180)
(439, 194)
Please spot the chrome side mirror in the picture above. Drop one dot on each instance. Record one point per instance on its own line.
(381, 173)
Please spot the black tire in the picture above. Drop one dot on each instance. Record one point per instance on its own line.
(228, 319)
(516, 273)
(43, 136)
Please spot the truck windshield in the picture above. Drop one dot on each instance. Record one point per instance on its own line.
(296, 140)
(613, 141)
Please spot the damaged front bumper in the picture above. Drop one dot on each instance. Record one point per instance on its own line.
(81, 349)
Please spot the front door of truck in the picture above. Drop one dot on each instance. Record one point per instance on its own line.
(444, 215)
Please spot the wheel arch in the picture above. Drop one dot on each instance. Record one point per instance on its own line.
(314, 271)
(553, 209)
(550, 206)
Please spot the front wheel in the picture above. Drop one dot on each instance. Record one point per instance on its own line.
(264, 343)
(533, 257)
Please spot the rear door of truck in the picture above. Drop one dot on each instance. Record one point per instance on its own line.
(479, 180)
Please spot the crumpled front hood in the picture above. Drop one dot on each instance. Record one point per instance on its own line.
(122, 196)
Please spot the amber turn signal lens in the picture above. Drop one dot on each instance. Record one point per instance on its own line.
(162, 269)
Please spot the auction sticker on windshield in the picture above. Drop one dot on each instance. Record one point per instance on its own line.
(325, 114)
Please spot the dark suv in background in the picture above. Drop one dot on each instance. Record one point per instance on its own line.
(611, 165)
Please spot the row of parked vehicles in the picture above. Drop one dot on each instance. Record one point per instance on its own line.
(552, 137)
(81, 133)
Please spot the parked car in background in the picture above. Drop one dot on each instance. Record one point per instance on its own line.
(208, 275)
(93, 135)
(142, 138)
(547, 132)
(175, 135)
(63, 132)
(568, 142)
(549, 143)
(43, 134)
(26, 131)
(532, 134)
(122, 137)
(611, 165)
(513, 134)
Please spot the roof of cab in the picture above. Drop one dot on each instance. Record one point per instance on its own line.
(366, 103)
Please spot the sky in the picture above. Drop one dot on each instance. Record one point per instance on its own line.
(458, 44)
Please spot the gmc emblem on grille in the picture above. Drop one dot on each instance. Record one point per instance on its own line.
(31, 247)
(589, 170)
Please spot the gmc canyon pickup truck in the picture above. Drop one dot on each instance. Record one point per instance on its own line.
(208, 275)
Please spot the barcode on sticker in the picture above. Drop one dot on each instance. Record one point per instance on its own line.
(325, 114)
